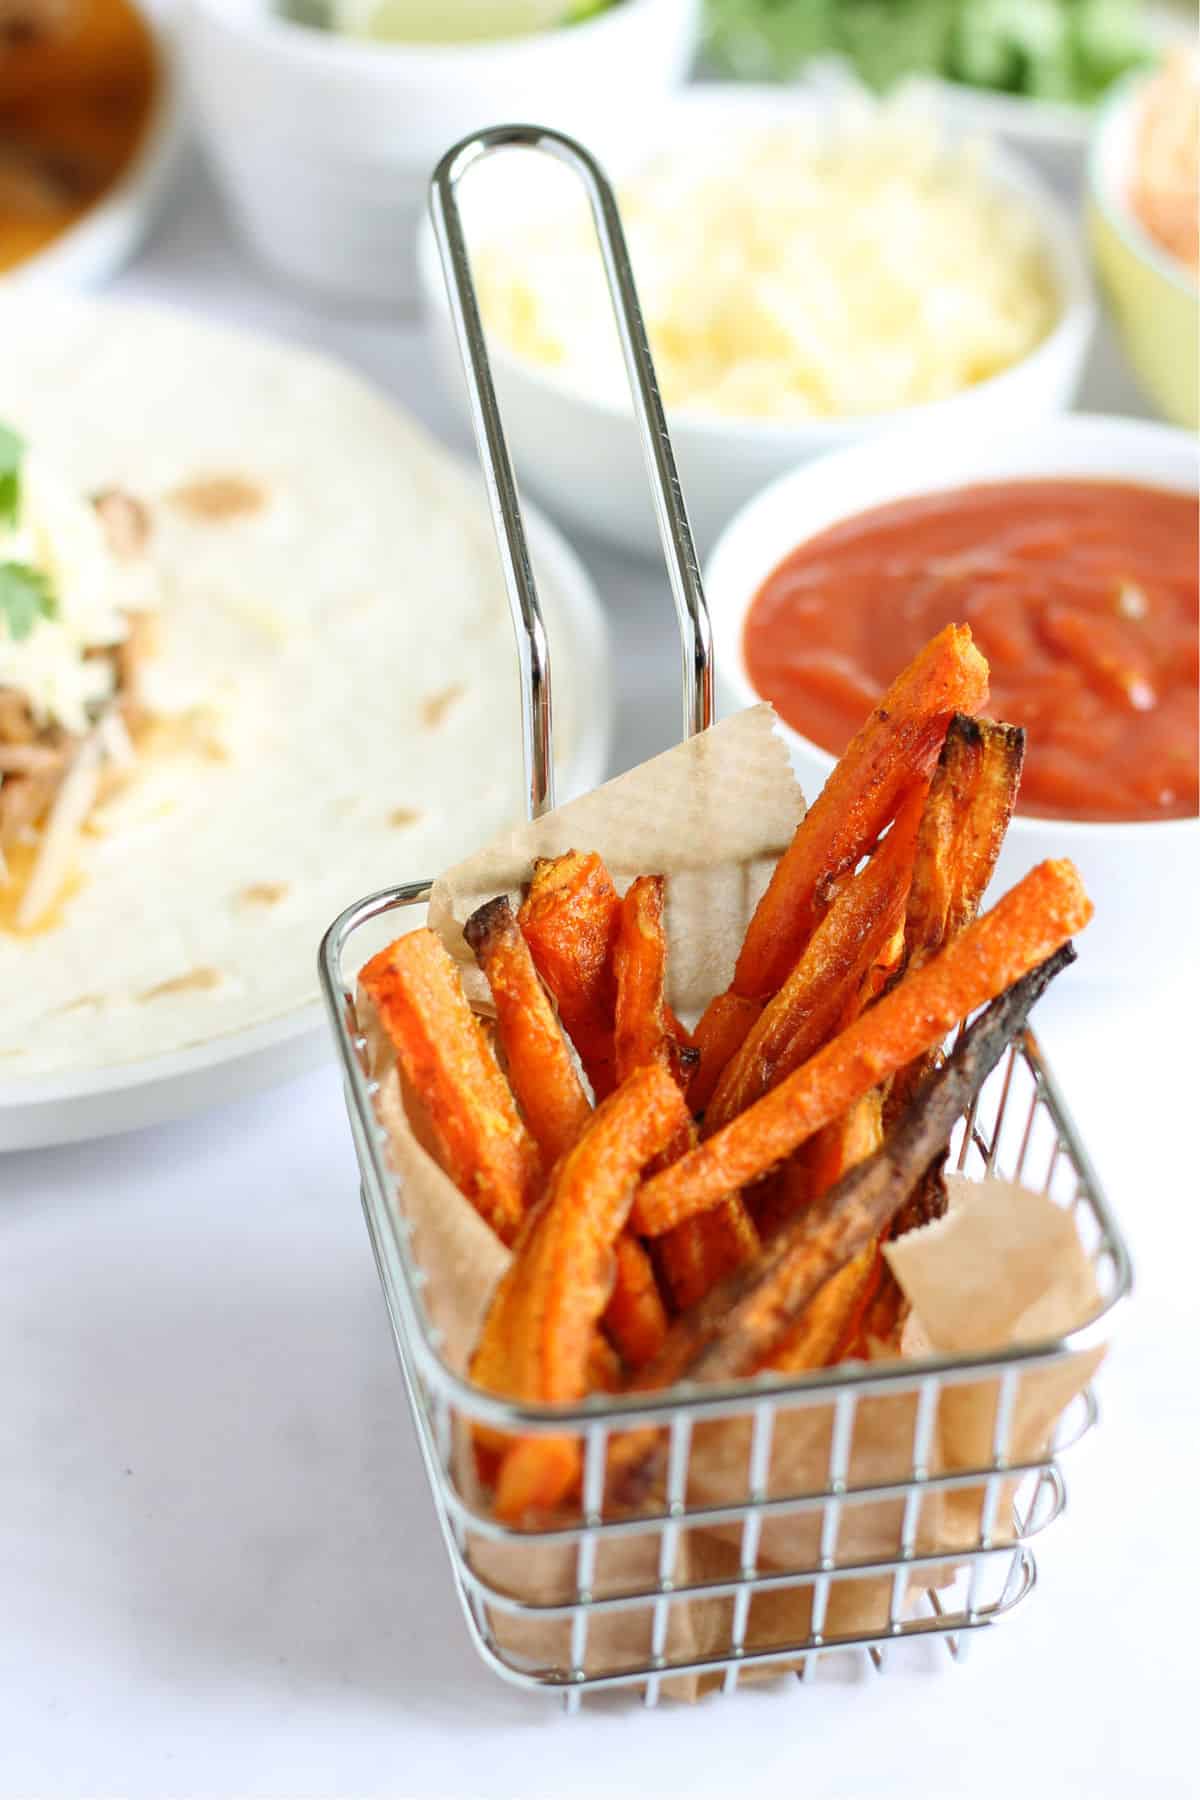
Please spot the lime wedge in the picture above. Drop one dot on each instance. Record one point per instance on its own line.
(448, 21)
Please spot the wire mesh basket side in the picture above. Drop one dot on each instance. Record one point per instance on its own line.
(686, 1592)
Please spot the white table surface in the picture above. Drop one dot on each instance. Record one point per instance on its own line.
(219, 1568)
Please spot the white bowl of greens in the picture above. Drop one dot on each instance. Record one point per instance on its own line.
(1026, 72)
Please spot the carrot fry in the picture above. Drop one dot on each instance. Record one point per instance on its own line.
(635, 1317)
(481, 1141)
(704, 1249)
(897, 746)
(740, 1322)
(1030, 922)
(535, 1475)
(970, 803)
(643, 1030)
(563, 1271)
(830, 1154)
(570, 918)
(826, 981)
(491, 1364)
(540, 1070)
(718, 1037)
(813, 1342)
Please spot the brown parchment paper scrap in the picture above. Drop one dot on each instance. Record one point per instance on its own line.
(713, 815)
(1004, 1266)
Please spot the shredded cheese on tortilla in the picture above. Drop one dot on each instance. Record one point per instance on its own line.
(56, 531)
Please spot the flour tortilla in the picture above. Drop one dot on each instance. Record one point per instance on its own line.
(336, 639)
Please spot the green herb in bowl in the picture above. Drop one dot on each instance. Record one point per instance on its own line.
(1062, 50)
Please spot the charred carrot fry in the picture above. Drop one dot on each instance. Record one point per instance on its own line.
(570, 918)
(635, 1317)
(718, 1037)
(1025, 927)
(970, 803)
(564, 1268)
(826, 981)
(704, 1249)
(540, 1070)
(966, 815)
(743, 1320)
(481, 1141)
(898, 745)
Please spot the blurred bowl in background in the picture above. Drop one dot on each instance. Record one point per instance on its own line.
(96, 244)
(324, 145)
(1142, 876)
(1154, 297)
(579, 451)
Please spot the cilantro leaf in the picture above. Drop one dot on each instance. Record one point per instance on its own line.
(11, 450)
(25, 598)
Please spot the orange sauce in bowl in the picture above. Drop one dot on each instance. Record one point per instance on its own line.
(76, 98)
(1081, 594)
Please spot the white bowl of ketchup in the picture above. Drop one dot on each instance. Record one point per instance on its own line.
(1080, 592)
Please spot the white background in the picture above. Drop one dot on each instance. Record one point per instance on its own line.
(220, 1573)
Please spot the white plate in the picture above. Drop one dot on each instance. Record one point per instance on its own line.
(88, 1103)
(109, 232)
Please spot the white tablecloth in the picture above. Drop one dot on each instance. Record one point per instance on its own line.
(219, 1568)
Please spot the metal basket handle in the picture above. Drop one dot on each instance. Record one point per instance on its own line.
(675, 532)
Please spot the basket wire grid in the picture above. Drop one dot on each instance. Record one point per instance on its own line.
(585, 1632)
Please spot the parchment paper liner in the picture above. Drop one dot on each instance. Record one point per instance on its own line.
(1004, 1266)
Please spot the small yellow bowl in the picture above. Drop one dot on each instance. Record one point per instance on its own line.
(1153, 298)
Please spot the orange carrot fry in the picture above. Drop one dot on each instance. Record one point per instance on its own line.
(828, 1321)
(1030, 922)
(838, 1147)
(480, 1139)
(898, 744)
(564, 1270)
(718, 1037)
(700, 1252)
(570, 918)
(826, 981)
(635, 1317)
(535, 1475)
(539, 1065)
(706, 1248)
(491, 1365)
(643, 1027)
(815, 1340)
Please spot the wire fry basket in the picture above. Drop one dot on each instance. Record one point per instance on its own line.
(680, 1595)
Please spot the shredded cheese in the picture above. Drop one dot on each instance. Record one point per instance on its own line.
(58, 533)
(801, 272)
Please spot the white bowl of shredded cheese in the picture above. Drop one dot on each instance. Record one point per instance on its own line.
(811, 273)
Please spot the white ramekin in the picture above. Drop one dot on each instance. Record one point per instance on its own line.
(324, 145)
(1143, 878)
(580, 454)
